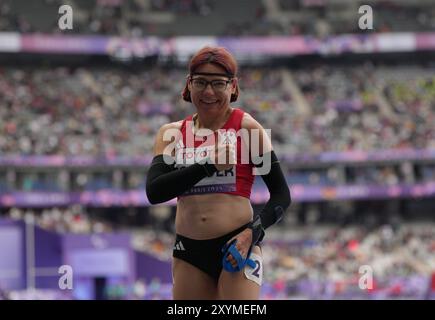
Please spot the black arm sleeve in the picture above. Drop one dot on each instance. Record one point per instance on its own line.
(165, 182)
(278, 202)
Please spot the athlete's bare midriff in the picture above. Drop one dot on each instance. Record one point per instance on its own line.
(209, 216)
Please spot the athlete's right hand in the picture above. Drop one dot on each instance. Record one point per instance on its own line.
(224, 156)
(243, 244)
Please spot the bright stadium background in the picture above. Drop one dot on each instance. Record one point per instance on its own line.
(352, 116)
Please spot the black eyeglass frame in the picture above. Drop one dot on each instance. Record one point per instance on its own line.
(211, 83)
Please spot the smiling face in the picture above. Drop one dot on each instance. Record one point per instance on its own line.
(207, 98)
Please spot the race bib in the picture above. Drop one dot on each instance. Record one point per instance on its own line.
(255, 274)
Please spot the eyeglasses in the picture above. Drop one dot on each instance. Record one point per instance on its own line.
(217, 85)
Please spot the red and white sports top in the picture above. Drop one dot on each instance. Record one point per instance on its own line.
(238, 180)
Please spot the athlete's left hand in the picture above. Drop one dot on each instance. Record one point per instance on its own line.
(243, 243)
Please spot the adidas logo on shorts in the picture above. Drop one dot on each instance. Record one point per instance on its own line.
(179, 246)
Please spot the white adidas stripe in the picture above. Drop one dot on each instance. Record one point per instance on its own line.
(181, 246)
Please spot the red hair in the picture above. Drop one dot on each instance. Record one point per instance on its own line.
(218, 56)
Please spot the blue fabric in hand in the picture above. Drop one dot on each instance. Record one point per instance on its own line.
(241, 262)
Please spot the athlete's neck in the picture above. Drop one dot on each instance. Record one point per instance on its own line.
(212, 119)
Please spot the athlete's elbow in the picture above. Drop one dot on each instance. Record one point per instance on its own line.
(152, 195)
(156, 194)
(152, 198)
(155, 199)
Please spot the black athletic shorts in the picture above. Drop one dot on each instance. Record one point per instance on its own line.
(206, 255)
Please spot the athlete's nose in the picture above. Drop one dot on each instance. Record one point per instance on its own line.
(208, 89)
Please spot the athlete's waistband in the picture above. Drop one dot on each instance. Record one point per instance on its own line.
(230, 235)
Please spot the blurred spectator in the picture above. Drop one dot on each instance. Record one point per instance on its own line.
(71, 219)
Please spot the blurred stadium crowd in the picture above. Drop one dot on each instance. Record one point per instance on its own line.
(223, 18)
(302, 262)
(73, 111)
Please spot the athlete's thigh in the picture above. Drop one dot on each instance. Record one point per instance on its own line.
(245, 284)
(190, 283)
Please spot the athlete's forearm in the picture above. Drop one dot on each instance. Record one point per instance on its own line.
(279, 200)
(165, 182)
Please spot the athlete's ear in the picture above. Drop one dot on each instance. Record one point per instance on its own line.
(234, 90)
(186, 91)
(234, 84)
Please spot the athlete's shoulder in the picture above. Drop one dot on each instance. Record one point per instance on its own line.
(254, 127)
(171, 125)
(172, 128)
(165, 135)
(248, 122)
